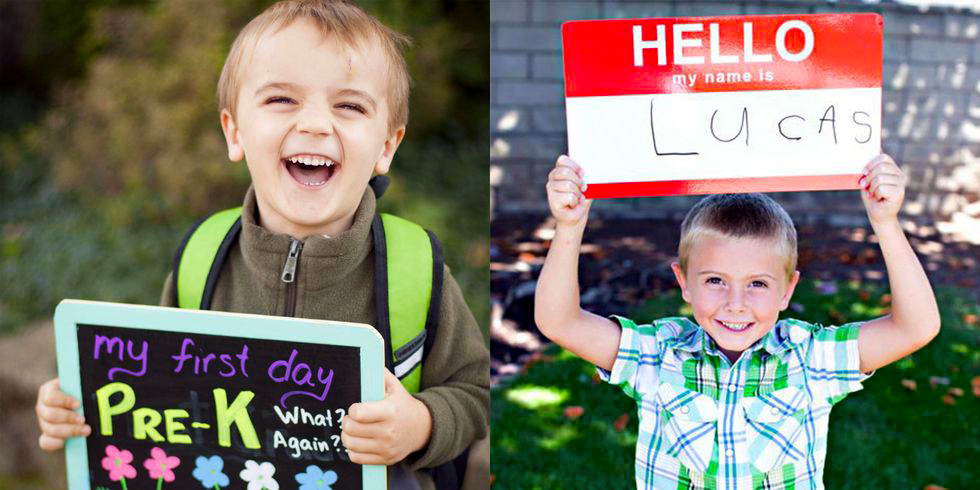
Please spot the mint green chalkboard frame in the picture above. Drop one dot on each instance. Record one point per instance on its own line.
(72, 313)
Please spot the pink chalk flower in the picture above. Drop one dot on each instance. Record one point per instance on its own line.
(116, 462)
(160, 465)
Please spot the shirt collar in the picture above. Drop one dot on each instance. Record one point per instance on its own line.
(782, 337)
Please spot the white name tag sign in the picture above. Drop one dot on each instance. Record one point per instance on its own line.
(723, 104)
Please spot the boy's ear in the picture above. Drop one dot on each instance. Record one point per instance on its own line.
(235, 150)
(790, 287)
(388, 150)
(681, 280)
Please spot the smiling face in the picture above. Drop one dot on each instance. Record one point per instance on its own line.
(312, 125)
(736, 287)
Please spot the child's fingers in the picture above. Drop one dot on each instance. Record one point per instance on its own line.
(882, 164)
(365, 458)
(877, 161)
(886, 179)
(58, 415)
(362, 429)
(566, 186)
(368, 412)
(50, 394)
(560, 174)
(566, 161)
(361, 444)
(878, 177)
(570, 200)
(883, 187)
(64, 431)
(49, 443)
(886, 192)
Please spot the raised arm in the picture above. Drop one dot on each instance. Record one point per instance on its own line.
(557, 310)
(914, 319)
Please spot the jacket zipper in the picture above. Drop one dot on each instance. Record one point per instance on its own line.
(289, 275)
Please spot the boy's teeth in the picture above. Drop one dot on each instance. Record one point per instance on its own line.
(312, 161)
(735, 326)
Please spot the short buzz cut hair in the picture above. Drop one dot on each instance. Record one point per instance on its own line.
(740, 216)
(341, 18)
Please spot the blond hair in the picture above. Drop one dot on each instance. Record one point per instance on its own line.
(340, 18)
(740, 216)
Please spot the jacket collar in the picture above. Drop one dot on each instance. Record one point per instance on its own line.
(335, 257)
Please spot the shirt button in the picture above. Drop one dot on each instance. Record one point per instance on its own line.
(730, 453)
(731, 388)
(684, 409)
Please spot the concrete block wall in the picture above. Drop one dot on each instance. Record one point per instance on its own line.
(930, 106)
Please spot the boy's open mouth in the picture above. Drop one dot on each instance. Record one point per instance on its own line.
(735, 326)
(310, 170)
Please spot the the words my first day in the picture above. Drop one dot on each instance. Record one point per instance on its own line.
(297, 378)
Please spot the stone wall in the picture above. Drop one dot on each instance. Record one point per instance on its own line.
(930, 106)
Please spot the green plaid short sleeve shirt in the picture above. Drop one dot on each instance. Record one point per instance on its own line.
(761, 422)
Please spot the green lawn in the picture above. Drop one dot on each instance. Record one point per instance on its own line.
(885, 436)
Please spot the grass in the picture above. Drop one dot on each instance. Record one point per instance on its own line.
(884, 436)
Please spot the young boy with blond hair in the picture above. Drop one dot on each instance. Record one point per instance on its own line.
(737, 398)
(314, 97)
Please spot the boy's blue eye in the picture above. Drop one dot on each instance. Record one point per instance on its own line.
(713, 280)
(759, 284)
(279, 100)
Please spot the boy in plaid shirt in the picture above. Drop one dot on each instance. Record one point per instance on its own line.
(736, 399)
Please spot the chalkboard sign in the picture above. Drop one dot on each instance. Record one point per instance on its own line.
(186, 399)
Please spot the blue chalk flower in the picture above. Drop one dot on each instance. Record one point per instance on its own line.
(208, 471)
(316, 479)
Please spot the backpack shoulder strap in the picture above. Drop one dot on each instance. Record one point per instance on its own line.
(200, 256)
(408, 288)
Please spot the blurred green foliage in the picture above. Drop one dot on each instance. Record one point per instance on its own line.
(884, 436)
(114, 147)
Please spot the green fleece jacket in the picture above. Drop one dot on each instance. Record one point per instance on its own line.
(335, 281)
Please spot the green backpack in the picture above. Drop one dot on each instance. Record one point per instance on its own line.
(408, 282)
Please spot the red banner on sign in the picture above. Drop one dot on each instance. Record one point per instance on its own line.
(721, 54)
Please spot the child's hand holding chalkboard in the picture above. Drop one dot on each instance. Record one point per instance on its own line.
(386, 431)
(56, 416)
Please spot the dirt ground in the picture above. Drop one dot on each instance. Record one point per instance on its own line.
(625, 261)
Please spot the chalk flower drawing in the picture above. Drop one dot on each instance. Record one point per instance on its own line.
(208, 471)
(259, 476)
(116, 462)
(315, 479)
(161, 466)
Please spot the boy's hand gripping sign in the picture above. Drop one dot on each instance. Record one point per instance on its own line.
(190, 399)
(704, 105)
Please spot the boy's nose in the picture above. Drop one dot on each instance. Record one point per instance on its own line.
(736, 300)
(315, 122)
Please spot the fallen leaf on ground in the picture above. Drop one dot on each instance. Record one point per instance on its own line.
(621, 422)
(934, 487)
(573, 412)
(956, 391)
(938, 380)
(970, 319)
(909, 384)
(493, 478)
(976, 386)
(949, 400)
